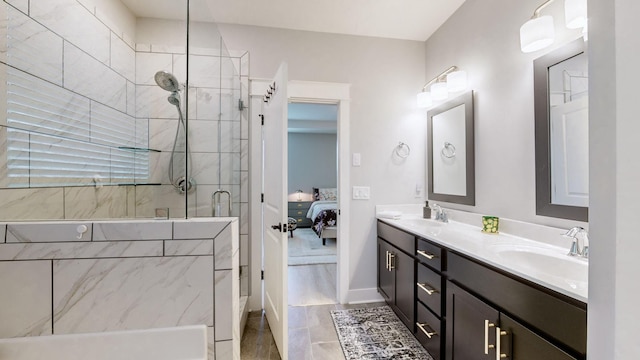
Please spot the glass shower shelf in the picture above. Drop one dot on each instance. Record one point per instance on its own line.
(137, 149)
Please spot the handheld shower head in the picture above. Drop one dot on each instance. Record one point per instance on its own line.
(174, 98)
(167, 81)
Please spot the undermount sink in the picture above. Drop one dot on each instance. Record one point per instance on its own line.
(552, 261)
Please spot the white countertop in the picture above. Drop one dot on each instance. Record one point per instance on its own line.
(541, 262)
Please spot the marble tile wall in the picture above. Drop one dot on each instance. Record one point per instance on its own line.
(59, 46)
(122, 275)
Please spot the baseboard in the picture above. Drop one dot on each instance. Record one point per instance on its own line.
(361, 296)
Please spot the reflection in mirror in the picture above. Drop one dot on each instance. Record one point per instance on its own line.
(562, 133)
(450, 151)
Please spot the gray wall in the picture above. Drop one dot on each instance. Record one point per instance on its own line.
(486, 44)
(385, 76)
(312, 162)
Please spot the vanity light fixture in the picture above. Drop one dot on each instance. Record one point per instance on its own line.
(451, 80)
(538, 33)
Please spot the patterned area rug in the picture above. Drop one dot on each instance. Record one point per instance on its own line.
(376, 333)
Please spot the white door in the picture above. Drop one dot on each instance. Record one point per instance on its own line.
(570, 153)
(274, 135)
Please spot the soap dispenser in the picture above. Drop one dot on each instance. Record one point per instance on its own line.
(426, 210)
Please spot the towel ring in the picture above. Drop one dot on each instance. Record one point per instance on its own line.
(402, 150)
(448, 150)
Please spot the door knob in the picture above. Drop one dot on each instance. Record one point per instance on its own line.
(277, 227)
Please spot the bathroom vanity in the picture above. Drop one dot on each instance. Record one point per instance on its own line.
(469, 295)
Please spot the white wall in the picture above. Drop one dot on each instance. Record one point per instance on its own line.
(385, 77)
(614, 177)
(312, 162)
(485, 42)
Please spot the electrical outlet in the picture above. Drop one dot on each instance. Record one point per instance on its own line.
(361, 192)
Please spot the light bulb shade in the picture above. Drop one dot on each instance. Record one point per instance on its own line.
(439, 91)
(424, 99)
(537, 34)
(457, 81)
(575, 13)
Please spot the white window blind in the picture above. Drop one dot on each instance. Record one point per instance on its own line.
(59, 138)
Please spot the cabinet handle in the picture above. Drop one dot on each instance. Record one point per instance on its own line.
(426, 254)
(487, 325)
(387, 266)
(429, 290)
(423, 327)
(499, 333)
(392, 258)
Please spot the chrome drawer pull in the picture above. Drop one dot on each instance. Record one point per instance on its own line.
(426, 254)
(387, 266)
(499, 333)
(428, 290)
(487, 325)
(422, 327)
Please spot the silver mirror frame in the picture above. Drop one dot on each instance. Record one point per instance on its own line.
(541, 66)
(470, 197)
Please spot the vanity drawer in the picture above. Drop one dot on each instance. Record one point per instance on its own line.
(430, 254)
(400, 239)
(429, 289)
(429, 332)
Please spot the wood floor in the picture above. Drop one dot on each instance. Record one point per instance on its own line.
(312, 335)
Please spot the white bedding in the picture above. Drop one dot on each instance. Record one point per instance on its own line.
(317, 206)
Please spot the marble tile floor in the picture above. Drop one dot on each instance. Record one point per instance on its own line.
(312, 335)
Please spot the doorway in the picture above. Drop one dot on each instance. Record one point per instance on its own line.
(312, 202)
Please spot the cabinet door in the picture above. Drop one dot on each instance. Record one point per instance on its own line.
(470, 326)
(386, 286)
(520, 343)
(404, 268)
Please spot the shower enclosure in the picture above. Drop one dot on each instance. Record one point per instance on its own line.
(121, 109)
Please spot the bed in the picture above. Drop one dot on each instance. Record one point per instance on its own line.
(324, 213)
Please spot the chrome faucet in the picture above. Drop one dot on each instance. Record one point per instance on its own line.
(440, 215)
(580, 244)
(215, 202)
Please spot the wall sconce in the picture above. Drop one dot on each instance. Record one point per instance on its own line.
(451, 80)
(299, 192)
(538, 33)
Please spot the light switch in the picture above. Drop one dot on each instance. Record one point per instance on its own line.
(356, 159)
(361, 193)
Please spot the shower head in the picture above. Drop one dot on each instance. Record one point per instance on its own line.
(167, 81)
(174, 98)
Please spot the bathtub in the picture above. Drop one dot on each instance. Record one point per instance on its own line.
(175, 343)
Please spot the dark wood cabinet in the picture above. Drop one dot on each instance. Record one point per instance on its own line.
(386, 278)
(471, 326)
(395, 281)
(460, 308)
(476, 330)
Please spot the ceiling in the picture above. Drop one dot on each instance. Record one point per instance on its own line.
(396, 19)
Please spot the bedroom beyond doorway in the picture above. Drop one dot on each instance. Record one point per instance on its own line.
(312, 189)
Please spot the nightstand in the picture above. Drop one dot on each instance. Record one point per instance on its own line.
(298, 210)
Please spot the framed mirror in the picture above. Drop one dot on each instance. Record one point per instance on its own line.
(450, 151)
(562, 132)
